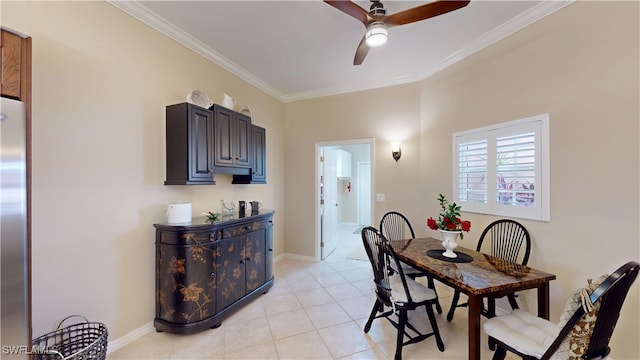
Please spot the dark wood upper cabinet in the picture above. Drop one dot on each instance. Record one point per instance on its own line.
(258, 173)
(190, 135)
(201, 142)
(232, 144)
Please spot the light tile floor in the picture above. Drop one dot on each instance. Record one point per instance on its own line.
(313, 311)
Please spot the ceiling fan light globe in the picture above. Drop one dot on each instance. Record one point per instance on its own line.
(377, 34)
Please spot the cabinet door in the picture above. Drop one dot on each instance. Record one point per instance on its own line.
(256, 256)
(269, 252)
(186, 280)
(224, 153)
(201, 138)
(11, 65)
(230, 271)
(243, 137)
(189, 141)
(259, 173)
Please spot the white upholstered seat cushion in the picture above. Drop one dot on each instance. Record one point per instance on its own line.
(410, 270)
(418, 291)
(407, 269)
(526, 333)
(532, 335)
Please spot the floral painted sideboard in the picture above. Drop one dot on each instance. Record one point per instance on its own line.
(207, 270)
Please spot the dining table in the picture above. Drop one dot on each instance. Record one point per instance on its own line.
(476, 275)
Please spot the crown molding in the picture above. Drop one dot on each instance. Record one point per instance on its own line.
(525, 19)
(143, 14)
(512, 26)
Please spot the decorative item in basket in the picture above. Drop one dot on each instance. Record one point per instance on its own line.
(82, 341)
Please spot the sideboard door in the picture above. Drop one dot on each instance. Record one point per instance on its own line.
(188, 293)
(230, 270)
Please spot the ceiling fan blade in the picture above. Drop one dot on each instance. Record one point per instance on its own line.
(424, 12)
(352, 9)
(361, 52)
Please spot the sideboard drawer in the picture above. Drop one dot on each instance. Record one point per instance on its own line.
(245, 228)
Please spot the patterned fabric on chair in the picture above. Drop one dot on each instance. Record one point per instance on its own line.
(585, 326)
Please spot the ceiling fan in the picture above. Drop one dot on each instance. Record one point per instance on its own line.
(378, 22)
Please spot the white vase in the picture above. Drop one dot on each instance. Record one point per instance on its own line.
(449, 242)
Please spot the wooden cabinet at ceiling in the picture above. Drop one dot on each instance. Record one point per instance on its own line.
(15, 66)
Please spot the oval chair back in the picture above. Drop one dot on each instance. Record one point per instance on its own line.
(395, 226)
(505, 239)
(508, 240)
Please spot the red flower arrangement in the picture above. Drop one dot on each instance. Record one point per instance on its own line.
(449, 218)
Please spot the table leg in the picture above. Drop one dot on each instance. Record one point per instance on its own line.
(475, 305)
(543, 301)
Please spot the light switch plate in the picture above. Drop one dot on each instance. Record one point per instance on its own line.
(379, 197)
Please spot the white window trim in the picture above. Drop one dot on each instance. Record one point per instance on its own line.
(541, 211)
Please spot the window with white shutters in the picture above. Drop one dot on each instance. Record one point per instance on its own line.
(504, 169)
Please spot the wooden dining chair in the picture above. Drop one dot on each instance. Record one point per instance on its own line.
(508, 240)
(398, 292)
(585, 327)
(396, 227)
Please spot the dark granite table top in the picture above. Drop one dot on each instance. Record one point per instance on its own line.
(484, 275)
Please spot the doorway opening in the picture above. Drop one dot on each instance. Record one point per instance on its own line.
(344, 195)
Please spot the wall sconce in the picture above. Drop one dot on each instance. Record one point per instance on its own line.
(395, 150)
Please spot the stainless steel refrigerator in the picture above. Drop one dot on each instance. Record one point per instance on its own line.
(14, 311)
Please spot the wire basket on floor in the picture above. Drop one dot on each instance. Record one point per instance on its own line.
(82, 341)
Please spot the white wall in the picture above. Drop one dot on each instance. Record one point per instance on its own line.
(101, 81)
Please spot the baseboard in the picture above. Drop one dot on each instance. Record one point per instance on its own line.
(293, 257)
(130, 337)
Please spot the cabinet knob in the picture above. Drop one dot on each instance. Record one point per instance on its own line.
(242, 261)
(248, 258)
(247, 227)
(270, 249)
(212, 274)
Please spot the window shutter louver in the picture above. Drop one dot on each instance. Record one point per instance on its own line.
(472, 172)
(515, 170)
